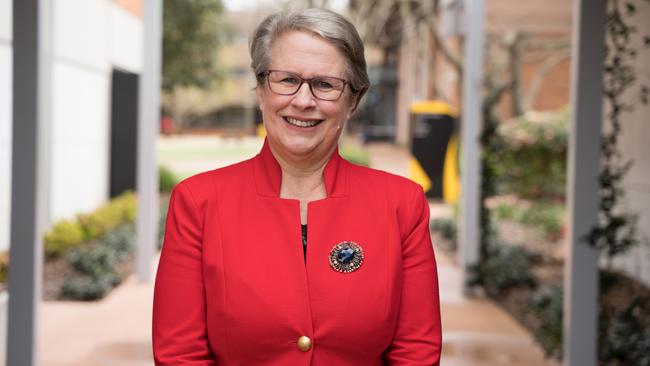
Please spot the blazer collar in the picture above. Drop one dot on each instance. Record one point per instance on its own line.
(268, 175)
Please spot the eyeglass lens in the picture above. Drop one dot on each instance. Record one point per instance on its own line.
(286, 83)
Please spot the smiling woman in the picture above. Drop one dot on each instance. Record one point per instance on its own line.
(296, 256)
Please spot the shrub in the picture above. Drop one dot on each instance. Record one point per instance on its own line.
(85, 288)
(547, 304)
(624, 328)
(531, 161)
(506, 267)
(624, 337)
(63, 236)
(546, 217)
(121, 210)
(94, 260)
(95, 265)
(446, 227)
(121, 240)
(167, 179)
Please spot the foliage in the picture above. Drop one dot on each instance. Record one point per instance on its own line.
(447, 228)
(625, 340)
(167, 179)
(67, 234)
(548, 217)
(4, 266)
(355, 154)
(529, 155)
(121, 240)
(64, 235)
(86, 288)
(191, 37)
(506, 267)
(95, 260)
(547, 304)
(616, 230)
(95, 265)
(624, 327)
(119, 211)
(624, 321)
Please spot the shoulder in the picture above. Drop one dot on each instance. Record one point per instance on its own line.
(379, 180)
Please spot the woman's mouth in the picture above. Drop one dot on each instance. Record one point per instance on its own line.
(301, 123)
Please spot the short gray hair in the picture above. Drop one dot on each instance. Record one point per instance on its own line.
(327, 24)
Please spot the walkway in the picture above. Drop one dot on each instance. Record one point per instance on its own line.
(116, 330)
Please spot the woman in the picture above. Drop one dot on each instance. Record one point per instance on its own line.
(234, 284)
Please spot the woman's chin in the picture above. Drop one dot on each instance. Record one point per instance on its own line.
(300, 147)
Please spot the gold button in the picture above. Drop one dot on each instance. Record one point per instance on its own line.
(304, 344)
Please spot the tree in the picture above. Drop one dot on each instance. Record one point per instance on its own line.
(191, 37)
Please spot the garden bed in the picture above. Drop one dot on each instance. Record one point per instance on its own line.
(624, 319)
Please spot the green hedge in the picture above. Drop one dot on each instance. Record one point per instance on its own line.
(531, 159)
(623, 324)
(67, 234)
(505, 267)
(119, 211)
(547, 217)
(95, 265)
(547, 305)
(167, 179)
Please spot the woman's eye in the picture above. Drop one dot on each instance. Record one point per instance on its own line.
(322, 84)
(289, 80)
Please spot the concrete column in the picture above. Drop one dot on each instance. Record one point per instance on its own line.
(471, 118)
(581, 267)
(31, 74)
(148, 126)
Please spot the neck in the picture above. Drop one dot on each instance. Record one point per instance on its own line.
(302, 178)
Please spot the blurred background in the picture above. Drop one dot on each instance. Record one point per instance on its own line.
(505, 308)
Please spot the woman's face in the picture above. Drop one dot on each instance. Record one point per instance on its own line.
(300, 126)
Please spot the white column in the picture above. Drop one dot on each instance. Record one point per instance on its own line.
(148, 125)
(31, 73)
(470, 131)
(581, 267)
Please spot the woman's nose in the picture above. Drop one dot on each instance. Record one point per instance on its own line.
(303, 97)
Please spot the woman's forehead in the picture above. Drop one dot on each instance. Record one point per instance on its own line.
(306, 54)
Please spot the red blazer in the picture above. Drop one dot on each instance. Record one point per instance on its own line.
(233, 287)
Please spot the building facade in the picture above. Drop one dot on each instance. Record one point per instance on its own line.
(96, 56)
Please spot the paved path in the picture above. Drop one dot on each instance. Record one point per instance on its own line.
(116, 330)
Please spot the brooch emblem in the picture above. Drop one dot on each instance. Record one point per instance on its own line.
(346, 257)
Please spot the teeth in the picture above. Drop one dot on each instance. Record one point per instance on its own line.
(299, 123)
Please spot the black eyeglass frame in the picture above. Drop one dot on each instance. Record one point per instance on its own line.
(266, 73)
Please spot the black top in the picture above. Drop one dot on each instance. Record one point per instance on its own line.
(304, 240)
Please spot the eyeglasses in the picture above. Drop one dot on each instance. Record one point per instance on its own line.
(321, 87)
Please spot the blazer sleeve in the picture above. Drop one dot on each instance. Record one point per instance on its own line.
(418, 335)
(179, 307)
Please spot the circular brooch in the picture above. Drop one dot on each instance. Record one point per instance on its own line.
(346, 257)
